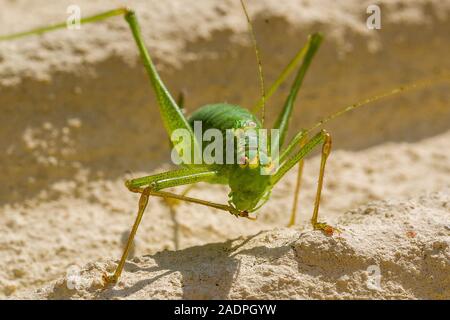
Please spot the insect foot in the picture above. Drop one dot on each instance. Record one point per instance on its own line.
(109, 279)
(327, 229)
(244, 214)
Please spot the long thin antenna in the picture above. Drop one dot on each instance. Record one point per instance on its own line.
(258, 58)
(281, 78)
(398, 90)
(41, 30)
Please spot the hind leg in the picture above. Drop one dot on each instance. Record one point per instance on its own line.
(297, 185)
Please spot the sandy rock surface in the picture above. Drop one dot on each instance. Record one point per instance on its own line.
(78, 118)
(406, 236)
(387, 249)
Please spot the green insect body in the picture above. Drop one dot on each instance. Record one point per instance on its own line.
(249, 188)
(247, 185)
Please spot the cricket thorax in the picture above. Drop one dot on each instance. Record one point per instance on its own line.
(242, 138)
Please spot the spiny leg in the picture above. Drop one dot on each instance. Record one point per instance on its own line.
(41, 30)
(143, 201)
(180, 100)
(173, 204)
(224, 207)
(326, 150)
(141, 185)
(288, 163)
(306, 54)
(297, 184)
(299, 56)
(150, 186)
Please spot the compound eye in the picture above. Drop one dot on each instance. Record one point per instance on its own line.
(243, 162)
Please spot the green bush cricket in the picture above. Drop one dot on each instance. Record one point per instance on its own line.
(249, 188)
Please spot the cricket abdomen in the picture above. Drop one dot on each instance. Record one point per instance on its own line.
(247, 184)
(223, 117)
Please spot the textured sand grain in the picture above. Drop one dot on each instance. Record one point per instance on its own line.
(45, 239)
(406, 241)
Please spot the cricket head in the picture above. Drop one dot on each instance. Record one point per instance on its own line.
(250, 178)
(248, 187)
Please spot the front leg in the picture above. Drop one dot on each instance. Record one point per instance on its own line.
(151, 186)
(143, 201)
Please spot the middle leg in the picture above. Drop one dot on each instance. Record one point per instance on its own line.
(151, 186)
(172, 205)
